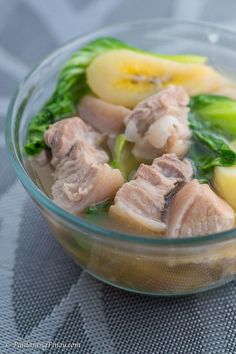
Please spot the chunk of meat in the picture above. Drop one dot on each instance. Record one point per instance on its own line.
(62, 135)
(84, 179)
(173, 168)
(159, 124)
(106, 117)
(142, 201)
(81, 148)
(197, 211)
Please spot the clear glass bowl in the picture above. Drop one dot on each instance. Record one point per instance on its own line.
(136, 263)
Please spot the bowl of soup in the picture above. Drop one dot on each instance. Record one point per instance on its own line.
(125, 138)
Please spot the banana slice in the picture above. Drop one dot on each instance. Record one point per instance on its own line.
(126, 77)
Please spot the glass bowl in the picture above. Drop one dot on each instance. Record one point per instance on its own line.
(154, 266)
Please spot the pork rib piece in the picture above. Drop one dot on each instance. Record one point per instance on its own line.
(142, 200)
(159, 124)
(84, 178)
(196, 211)
(106, 117)
(62, 135)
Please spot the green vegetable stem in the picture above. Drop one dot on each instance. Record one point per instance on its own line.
(118, 149)
(123, 159)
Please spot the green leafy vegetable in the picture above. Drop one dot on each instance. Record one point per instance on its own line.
(39, 124)
(71, 86)
(209, 149)
(218, 111)
(101, 208)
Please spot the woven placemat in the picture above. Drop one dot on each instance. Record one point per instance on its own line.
(47, 303)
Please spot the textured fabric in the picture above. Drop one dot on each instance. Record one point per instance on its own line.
(44, 296)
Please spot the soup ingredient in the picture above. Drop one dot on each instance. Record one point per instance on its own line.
(218, 111)
(105, 117)
(159, 124)
(142, 201)
(61, 137)
(99, 208)
(40, 123)
(209, 149)
(197, 211)
(132, 76)
(118, 149)
(72, 85)
(233, 145)
(122, 157)
(83, 179)
(224, 180)
(82, 176)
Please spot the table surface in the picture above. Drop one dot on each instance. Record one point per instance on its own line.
(44, 296)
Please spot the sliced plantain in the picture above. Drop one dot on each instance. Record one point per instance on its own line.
(125, 77)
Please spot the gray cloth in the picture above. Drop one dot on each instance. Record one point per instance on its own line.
(44, 297)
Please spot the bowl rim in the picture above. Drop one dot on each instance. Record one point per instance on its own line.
(76, 221)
